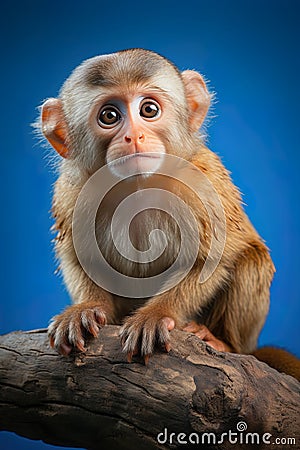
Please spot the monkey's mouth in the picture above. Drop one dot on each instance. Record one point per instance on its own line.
(137, 164)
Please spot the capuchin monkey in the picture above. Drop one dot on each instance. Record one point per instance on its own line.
(118, 108)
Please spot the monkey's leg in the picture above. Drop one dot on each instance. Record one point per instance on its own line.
(236, 315)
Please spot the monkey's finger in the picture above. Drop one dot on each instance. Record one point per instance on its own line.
(51, 338)
(204, 334)
(65, 349)
(131, 354)
(191, 327)
(58, 345)
(163, 327)
(61, 344)
(169, 323)
(146, 359)
(170, 326)
(211, 339)
(57, 338)
(148, 338)
(168, 347)
(52, 327)
(89, 322)
(75, 336)
(100, 316)
(80, 345)
(130, 336)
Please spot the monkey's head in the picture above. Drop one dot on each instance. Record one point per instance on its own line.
(126, 105)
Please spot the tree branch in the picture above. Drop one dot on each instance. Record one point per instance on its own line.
(98, 400)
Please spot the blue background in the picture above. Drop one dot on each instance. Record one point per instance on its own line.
(249, 50)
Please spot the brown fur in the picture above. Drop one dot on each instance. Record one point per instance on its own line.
(234, 301)
(280, 360)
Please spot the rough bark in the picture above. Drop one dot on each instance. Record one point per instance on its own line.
(99, 400)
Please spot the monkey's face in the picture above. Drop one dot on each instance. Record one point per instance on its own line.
(133, 127)
(127, 109)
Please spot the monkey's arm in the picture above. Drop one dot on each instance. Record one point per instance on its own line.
(93, 306)
(237, 314)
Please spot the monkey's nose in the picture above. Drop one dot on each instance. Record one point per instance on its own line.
(138, 139)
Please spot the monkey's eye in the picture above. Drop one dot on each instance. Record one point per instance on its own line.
(108, 116)
(149, 109)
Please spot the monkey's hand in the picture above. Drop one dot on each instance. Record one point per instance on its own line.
(71, 328)
(203, 333)
(143, 331)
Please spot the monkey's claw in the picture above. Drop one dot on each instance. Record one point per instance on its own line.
(141, 334)
(71, 328)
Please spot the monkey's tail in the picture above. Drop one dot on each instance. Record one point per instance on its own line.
(280, 360)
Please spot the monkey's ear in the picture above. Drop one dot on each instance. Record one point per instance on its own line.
(197, 96)
(54, 126)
